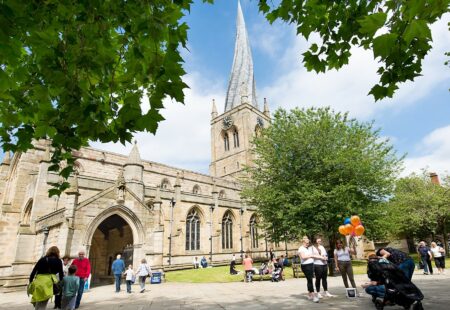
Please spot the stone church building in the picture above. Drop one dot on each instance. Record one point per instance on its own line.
(141, 209)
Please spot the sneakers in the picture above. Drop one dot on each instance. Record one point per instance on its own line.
(142, 290)
(319, 295)
(327, 294)
(315, 299)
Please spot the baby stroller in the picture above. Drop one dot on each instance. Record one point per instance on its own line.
(399, 290)
(276, 273)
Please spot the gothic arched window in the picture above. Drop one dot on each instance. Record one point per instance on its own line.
(226, 142)
(193, 231)
(253, 232)
(227, 231)
(236, 138)
(27, 213)
(196, 189)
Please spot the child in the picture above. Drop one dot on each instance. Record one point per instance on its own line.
(129, 275)
(71, 283)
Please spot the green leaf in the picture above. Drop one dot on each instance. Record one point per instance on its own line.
(417, 29)
(371, 23)
(384, 44)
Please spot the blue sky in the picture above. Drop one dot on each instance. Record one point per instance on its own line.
(417, 120)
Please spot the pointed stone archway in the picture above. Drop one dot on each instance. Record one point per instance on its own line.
(116, 230)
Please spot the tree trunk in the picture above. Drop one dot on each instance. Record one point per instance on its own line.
(332, 241)
(445, 236)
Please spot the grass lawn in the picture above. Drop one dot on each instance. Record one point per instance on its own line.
(222, 275)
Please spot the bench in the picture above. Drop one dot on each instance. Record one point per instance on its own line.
(296, 270)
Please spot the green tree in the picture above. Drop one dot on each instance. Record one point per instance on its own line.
(420, 208)
(76, 71)
(397, 32)
(313, 168)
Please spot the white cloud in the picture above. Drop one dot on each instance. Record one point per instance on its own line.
(346, 89)
(434, 153)
(183, 139)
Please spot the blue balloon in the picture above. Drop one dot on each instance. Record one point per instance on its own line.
(347, 221)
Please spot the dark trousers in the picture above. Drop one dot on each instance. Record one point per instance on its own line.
(79, 294)
(308, 270)
(408, 268)
(427, 267)
(129, 286)
(58, 301)
(117, 278)
(346, 269)
(321, 272)
(377, 291)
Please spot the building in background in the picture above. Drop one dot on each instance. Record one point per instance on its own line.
(141, 209)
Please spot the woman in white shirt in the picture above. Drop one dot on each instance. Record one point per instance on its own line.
(143, 272)
(343, 262)
(321, 268)
(439, 257)
(307, 257)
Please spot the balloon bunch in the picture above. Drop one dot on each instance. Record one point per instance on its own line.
(352, 227)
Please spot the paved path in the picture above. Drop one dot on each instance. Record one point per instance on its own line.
(290, 294)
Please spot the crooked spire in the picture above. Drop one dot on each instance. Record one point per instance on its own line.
(241, 87)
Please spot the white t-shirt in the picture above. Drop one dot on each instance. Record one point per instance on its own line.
(323, 253)
(307, 251)
(436, 251)
(343, 255)
(129, 274)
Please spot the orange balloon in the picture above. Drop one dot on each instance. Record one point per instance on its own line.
(348, 229)
(342, 230)
(359, 230)
(355, 220)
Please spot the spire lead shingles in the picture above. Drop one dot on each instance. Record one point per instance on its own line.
(241, 87)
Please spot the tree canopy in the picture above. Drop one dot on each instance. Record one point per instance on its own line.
(421, 208)
(76, 71)
(313, 168)
(397, 32)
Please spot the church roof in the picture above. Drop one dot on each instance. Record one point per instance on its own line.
(241, 87)
(134, 158)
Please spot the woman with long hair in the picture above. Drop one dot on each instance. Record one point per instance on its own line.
(43, 277)
(307, 256)
(343, 262)
(321, 268)
(143, 272)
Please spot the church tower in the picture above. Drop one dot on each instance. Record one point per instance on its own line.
(233, 131)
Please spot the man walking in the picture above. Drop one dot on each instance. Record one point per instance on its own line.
(118, 268)
(83, 271)
(425, 256)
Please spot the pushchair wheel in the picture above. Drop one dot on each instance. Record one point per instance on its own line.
(417, 306)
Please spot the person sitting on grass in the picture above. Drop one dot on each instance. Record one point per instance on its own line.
(233, 270)
(204, 262)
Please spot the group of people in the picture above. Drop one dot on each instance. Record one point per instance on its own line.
(65, 278)
(62, 278)
(314, 258)
(118, 269)
(203, 263)
(426, 254)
